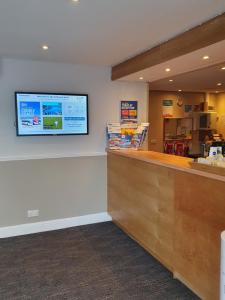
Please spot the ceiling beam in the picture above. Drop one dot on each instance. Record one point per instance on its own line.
(204, 35)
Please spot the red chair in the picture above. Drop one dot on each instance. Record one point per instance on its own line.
(179, 148)
(169, 148)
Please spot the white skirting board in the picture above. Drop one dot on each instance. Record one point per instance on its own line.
(30, 228)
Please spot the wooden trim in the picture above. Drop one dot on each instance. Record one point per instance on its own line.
(196, 38)
(176, 92)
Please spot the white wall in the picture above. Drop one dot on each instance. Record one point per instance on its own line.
(104, 99)
(63, 187)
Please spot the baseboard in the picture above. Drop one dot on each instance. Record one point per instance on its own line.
(31, 228)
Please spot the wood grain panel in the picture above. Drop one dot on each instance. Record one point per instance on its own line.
(201, 36)
(166, 160)
(208, 168)
(140, 199)
(175, 215)
(199, 221)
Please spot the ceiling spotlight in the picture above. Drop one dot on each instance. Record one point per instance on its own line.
(75, 1)
(171, 80)
(45, 47)
(223, 68)
(205, 57)
(219, 83)
(179, 90)
(141, 78)
(167, 70)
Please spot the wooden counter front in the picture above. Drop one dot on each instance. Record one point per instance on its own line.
(173, 212)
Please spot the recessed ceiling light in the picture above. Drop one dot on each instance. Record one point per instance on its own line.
(171, 80)
(76, 1)
(179, 90)
(219, 83)
(223, 68)
(205, 57)
(45, 47)
(141, 78)
(167, 70)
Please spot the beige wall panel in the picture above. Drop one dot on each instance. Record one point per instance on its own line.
(59, 188)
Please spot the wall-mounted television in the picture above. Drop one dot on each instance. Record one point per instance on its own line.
(51, 114)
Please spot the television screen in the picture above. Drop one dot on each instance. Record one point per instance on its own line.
(51, 114)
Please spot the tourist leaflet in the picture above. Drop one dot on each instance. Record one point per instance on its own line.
(130, 135)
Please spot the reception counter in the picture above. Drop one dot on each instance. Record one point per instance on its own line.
(175, 212)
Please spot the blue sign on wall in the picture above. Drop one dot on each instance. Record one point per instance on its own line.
(129, 110)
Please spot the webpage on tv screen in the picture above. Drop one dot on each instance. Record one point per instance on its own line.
(51, 114)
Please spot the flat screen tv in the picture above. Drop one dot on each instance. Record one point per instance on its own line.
(51, 114)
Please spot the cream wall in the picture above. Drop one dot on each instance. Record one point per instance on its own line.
(58, 188)
(220, 108)
(104, 102)
(30, 177)
(155, 113)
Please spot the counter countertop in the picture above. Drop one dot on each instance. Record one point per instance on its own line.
(165, 160)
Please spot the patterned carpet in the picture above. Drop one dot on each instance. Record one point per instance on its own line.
(93, 262)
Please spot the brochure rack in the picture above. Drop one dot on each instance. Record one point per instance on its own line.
(126, 135)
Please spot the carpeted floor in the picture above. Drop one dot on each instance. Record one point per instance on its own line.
(93, 262)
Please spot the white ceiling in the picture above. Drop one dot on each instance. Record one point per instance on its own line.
(202, 80)
(99, 32)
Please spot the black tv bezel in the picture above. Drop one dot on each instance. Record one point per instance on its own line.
(43, 93)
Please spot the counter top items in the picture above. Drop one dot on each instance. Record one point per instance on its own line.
(214, 163)
(126, 135)
(212, 147)
(215, 157)
(210, 169)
